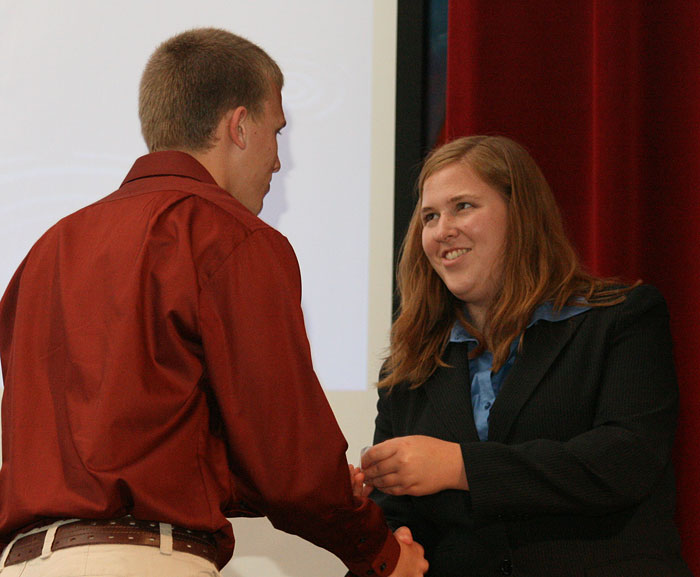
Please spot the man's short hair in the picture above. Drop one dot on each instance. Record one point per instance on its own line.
(193, 79)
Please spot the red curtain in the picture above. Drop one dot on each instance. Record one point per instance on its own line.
(605, 94)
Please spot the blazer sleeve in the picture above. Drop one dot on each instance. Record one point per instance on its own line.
(616, 463)
(399, 510)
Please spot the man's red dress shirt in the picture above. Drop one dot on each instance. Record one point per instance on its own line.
(156, 363)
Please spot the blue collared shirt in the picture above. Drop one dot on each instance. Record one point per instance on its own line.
(486, 384)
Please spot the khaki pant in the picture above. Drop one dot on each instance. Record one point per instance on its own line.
(110, 561)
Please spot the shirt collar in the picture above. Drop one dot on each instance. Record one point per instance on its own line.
(169, 163)
(544, 312)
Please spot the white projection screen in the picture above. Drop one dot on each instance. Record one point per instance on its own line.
(69, 74)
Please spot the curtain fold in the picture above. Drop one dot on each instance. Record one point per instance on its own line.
(606, 97)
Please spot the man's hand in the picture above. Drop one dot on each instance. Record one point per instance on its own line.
(414, 465)
(357, 480)
(412, 561)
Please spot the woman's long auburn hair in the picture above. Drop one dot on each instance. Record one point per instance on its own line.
(539, 265)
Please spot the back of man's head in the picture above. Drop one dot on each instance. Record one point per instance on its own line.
(193, 79)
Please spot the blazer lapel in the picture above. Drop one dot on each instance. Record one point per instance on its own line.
(541, 345)
(448, 390)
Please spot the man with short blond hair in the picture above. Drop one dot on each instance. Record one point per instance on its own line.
(158, 377)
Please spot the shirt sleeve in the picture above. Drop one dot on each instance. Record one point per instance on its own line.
(616, 463)
(286, 451)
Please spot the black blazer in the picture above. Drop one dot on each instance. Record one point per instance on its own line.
(575, 478)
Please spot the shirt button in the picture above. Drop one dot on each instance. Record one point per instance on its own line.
(506, 566)
(382, 567)
(487, 405)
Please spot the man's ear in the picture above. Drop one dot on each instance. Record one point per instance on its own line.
(237, 126)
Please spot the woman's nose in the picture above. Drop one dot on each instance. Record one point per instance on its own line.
(445, 228)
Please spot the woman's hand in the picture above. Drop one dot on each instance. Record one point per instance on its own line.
(412, 558)
(414, 465)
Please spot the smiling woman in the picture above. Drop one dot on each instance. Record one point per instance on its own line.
(527, 408)
(464, 235)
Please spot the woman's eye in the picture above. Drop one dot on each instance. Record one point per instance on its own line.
(463, 205)
(428, 217)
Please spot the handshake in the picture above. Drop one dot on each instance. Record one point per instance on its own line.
(411, 561)
(413, 465)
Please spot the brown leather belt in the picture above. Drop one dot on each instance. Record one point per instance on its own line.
(124, 531)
